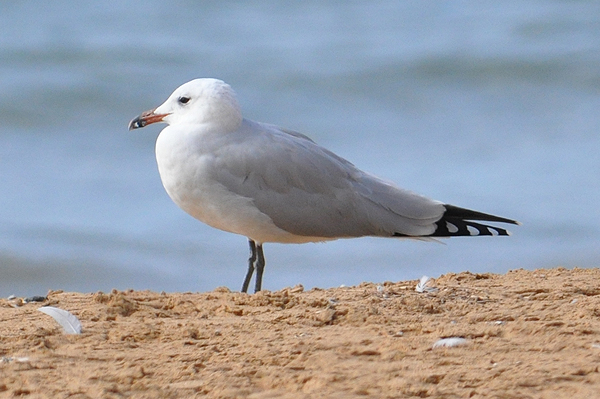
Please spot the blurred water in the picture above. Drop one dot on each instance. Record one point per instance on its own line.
(487, 105)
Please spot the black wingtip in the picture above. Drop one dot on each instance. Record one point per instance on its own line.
(458, 222)
(469, 214)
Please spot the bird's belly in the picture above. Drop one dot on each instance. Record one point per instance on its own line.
(191, 186)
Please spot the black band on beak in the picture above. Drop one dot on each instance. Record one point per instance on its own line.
(146, 118)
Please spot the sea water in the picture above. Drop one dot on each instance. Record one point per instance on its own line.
(488, 105)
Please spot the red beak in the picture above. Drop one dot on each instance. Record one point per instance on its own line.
(146, 118)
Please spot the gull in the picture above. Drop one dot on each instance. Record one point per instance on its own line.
(272, 184)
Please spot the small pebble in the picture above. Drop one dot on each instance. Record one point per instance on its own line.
(35, 298)
(298, 288)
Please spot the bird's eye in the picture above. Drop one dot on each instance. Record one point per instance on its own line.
(184, 100)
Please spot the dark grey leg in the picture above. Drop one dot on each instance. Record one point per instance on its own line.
(260, 267)
(251, 261)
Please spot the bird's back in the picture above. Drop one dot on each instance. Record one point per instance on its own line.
(308, 191)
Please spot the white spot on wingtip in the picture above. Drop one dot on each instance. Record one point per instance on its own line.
(473, 231)
(451, 227)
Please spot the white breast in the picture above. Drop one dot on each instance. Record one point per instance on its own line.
(185, 170)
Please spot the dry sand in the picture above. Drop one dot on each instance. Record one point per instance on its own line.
(529, 334)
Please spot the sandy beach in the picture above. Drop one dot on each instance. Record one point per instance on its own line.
(527, 334)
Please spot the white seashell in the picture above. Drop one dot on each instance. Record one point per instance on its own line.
(68, 321)
(424, 285)
(450, 342)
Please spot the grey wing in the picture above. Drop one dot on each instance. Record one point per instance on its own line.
(309, 191)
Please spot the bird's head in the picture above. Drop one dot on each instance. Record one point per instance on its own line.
(198, 102)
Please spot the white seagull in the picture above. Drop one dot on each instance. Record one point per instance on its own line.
(276, 185)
